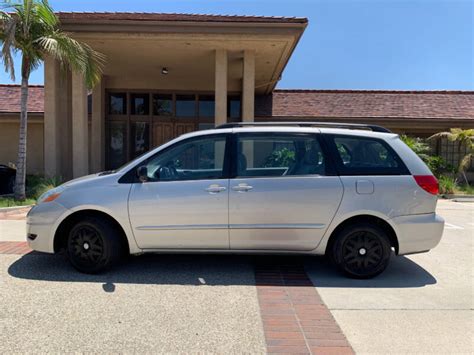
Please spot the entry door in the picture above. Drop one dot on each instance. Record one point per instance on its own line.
(184, 203)
(282, 197)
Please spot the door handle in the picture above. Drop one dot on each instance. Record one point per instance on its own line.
(242, 187)
(214, 189)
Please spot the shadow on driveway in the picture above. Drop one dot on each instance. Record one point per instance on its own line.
(223, 270)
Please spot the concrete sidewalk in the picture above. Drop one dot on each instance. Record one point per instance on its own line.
(421, 304)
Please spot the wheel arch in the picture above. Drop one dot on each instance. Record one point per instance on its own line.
(60, 235)
(365, 218)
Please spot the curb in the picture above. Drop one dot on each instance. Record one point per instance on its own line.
(14, 208)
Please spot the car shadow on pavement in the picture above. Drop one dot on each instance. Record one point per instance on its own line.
(201, 269)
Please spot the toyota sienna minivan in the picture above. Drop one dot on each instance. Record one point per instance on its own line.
(355, 193)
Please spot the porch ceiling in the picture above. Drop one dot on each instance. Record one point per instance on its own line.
(136, 53)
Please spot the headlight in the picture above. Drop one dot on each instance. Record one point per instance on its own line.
(51, 195)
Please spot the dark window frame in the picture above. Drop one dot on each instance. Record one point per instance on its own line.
(343, 170)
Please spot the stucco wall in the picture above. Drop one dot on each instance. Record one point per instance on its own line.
(9, 132)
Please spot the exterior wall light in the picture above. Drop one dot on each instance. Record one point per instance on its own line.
(164, 71)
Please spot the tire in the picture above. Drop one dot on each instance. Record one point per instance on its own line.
(94, 245)
(361, 251)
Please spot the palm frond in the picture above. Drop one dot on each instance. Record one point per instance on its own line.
(78, 56)
(9, 25)
(465, 163)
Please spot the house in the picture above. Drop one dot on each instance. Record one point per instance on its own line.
(168, 74)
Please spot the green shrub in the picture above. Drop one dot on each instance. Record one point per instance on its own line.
(36, 185)
(279, 158)
(447, 184)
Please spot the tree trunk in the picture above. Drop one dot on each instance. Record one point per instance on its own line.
(20, 193)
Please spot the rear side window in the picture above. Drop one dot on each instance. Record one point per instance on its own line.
(365, 156)
(267, 155)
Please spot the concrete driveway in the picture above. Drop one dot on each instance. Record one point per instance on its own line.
(231, 304)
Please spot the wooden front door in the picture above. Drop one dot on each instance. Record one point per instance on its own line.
(166, 131)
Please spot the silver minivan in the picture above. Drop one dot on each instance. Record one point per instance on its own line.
(355, 193)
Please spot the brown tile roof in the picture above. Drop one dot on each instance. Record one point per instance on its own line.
(149, 16)
(357, 103)
(10, 98)
(317, 103)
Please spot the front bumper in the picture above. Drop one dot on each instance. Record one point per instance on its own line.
(418, 233)
(41, 222)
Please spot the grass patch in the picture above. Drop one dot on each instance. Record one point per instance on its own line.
(11, 202)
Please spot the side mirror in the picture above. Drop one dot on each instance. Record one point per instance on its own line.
(142, 173)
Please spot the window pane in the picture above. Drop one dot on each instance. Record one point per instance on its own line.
(206, 106)
(185, 106)
(366, 156)
(117, 154)
(198, 159)
(279, 155)
(233, 107)
(140, 104)
(163, 105)
(118, 104)
(140, 132)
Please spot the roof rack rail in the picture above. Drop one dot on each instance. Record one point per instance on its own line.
(371, 127)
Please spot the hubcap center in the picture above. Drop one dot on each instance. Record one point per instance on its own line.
(362, 251)
(86, 246)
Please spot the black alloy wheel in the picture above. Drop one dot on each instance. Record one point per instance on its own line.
(94, 245)
(361, 251)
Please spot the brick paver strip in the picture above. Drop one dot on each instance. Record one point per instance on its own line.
(20, 248)
(295, 319)
(17, 214)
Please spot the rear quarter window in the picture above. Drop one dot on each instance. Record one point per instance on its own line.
(364, 156)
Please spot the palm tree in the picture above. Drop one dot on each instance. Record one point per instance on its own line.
(32, 29)
(464, 137)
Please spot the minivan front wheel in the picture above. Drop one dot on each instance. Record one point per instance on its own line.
(361, 251)
(93, 245)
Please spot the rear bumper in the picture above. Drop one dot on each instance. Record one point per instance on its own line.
(418, 233)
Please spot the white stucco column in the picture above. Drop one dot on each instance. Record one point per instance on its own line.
(98, 128)
(220, 87)
(248, 86)
(80, 129)
(51, 116)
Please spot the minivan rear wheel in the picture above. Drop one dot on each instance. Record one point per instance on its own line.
(361, 251)
(94, 245)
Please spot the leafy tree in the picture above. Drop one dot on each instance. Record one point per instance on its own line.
(464, 137)
(31, 28)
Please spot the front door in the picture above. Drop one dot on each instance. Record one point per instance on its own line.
(184, 203)
(283, 196)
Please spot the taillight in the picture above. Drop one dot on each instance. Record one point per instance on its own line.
(427, 183)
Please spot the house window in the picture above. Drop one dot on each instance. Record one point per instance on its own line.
(233, 107)
(162, 105)
(185, 106)
(206, 106)
(118, 104)
(140, 104)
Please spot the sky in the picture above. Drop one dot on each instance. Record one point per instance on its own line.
(348, 44)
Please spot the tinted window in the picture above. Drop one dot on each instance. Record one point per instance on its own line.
(117, 154)
(163, 105)
(140, 132)
(185, 106)
(140, 104)
(206, 106)
(118, 104)
(197, 159)
(279, 155)
(233, 107)
(365, 156)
